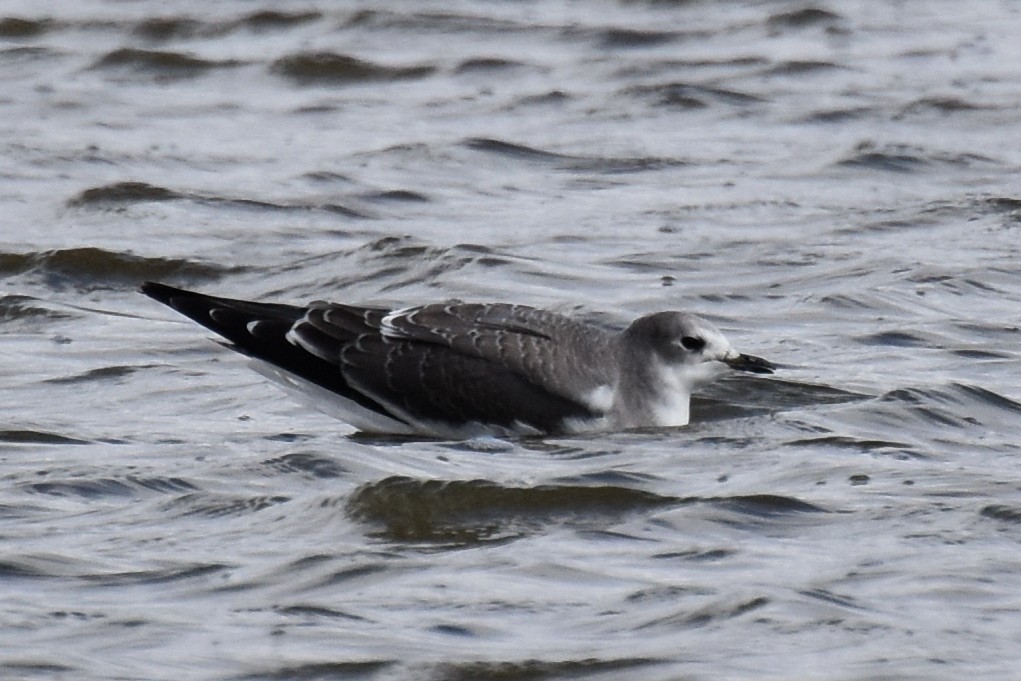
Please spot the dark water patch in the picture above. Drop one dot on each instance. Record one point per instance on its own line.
(802, 18)
(800, 68)
(91, 268)
(882, 447)
(704, 616)
(124, 192)
(453, 630)
(831, 598)
(626, 38)
(765, 506)
(511, 150)
(939, 105)
(1002, 204)
(39, 566)
(16, 28)
(171, 485)
(609, 478)
(27, 669)
(842, 115)
(441, 23)
(690, 96)
(537, 670)
(1002, 512)
(353, 574)
(475, 511)
(160, 29)
(316, 612)
(319, 671)
(100, 374)
(38, 437)
(896, 159)
(258, 204)
(328, 176)
(488, 65)
(158, 64)
(958, 405)
(164, 575)
(550, 97)
(167, 28)
(395, 196)
(27, 54)
(987, 397)
(740, 396)
(902, 158)
(971, 353)
(572, 163)
(965, 400)
(275, 20)
(21, 308)
(896, 339)
(312, 465)
(118, 194)
(288, 437)
(85, 489)
(696, 555)
(212, 505)
(17, 569)
(705, 409)
(330, 68)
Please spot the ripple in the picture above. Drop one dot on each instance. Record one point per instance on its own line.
(164, 575)
(92, 268)
(901, 158)
(124, 192)
(312, 465)
(313, 671)
(213, 505)
(629, 38)
(20, 308)
(1002, 512)
(98, 488)
(159, 64)
(691, 96)
(473, 511)
(537, 670)
(130, 192)
(38, 437)
(800, 18)
(329, 68)
(488, 65)
(14, 28)
(713, 613)
(597, 164)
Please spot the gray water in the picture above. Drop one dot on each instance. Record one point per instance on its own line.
(834, 184)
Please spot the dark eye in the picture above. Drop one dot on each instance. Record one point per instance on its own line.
(692, 343)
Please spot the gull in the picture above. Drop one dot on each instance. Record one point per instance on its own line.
(460, 370)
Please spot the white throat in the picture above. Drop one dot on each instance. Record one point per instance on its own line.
(670, 403)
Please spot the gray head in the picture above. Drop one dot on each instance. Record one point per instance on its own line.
(682, 339)
(665, 355)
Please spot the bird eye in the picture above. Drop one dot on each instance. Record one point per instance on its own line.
(692, 343)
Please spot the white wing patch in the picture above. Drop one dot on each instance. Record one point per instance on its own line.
(599, 399)
(387, 328)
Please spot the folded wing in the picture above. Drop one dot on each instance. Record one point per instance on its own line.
(435, 368)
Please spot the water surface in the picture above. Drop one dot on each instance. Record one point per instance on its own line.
(833, 184)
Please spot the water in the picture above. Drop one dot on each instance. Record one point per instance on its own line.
(834, 185)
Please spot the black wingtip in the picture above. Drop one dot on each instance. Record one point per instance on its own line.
(160, 292)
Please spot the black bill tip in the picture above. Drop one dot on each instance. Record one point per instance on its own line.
(755, 365)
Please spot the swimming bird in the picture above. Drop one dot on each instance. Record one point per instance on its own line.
(458, 370)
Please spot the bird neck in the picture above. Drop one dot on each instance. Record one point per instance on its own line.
(650, 394)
